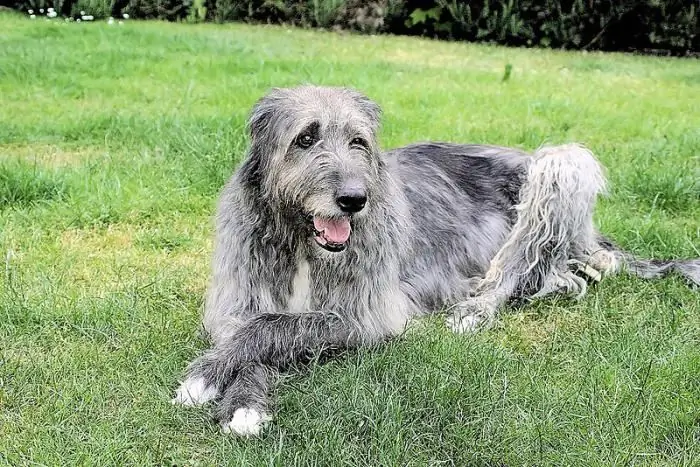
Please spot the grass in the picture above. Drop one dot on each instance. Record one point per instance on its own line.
(114, 142)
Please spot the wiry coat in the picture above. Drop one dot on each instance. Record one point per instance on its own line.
(465, 226)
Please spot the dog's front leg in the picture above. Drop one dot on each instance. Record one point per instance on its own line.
(242, 367)
(244, 408)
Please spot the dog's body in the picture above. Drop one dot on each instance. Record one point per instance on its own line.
(324, 242)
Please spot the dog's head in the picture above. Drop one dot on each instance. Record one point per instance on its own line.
(314, 152)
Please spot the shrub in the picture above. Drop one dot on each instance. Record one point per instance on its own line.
(641, 25)
(667, 26)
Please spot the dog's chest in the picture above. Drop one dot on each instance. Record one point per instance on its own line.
(300, 299)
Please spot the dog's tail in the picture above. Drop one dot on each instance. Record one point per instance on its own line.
(689, 269)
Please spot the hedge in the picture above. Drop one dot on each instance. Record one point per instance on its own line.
(648, 26)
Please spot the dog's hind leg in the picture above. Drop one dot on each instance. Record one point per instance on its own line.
(554, 225)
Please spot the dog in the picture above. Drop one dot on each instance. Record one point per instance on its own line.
(324, 242)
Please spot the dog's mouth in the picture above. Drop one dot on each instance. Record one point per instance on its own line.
(331, 234)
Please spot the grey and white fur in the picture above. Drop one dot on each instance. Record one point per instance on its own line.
(324, 242)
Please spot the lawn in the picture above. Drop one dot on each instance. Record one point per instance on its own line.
(114, 143)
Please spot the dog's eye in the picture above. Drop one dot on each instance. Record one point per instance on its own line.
(359, 142)
(305, 141)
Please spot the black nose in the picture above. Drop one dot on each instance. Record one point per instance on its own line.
(351, 201)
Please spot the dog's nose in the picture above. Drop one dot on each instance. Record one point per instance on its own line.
(351, 201)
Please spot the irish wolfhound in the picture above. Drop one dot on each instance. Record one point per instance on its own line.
(323, 242)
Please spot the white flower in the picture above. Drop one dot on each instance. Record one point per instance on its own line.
(125, 16)
(32, 16)
(88, 18)
(77, 20)
(31, 12)
(82, 13)
(41, 10)
(110, 20)
(50, 10)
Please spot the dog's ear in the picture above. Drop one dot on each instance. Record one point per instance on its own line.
(259, 118)
(258, 124)
(369, 108)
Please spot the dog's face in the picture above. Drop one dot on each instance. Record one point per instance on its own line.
(317, 155)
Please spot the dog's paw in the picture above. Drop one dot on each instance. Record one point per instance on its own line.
(246, 422)
(583, 269)
(470, 316)
(464, 324)
(605, 262)
(597, 266)
(564, 282)
(194, 391)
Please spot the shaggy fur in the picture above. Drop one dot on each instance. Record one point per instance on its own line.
(323, 242)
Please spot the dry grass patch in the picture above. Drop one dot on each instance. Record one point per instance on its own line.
(50, 155)
(108, 258)
(531, 333)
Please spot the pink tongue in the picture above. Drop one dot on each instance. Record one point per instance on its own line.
(333, 230)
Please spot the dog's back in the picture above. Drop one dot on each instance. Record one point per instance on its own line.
(490, 175)
(461, 199)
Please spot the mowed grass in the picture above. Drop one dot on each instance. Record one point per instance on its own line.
(114, 143)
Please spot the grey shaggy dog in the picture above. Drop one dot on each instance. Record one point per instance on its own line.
(323, 242)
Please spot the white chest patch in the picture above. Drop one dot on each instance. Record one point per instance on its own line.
(300, 300)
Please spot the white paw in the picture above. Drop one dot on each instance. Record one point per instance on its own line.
(194, 391)
(472, 314)
(246, 422)
(463, 324)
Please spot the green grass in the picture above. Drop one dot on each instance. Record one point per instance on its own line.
(114, 143)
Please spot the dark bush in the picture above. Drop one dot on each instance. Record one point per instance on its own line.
(650, 26)
(669, 26)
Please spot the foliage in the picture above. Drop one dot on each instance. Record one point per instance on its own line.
(653, 26)
(650, 25)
